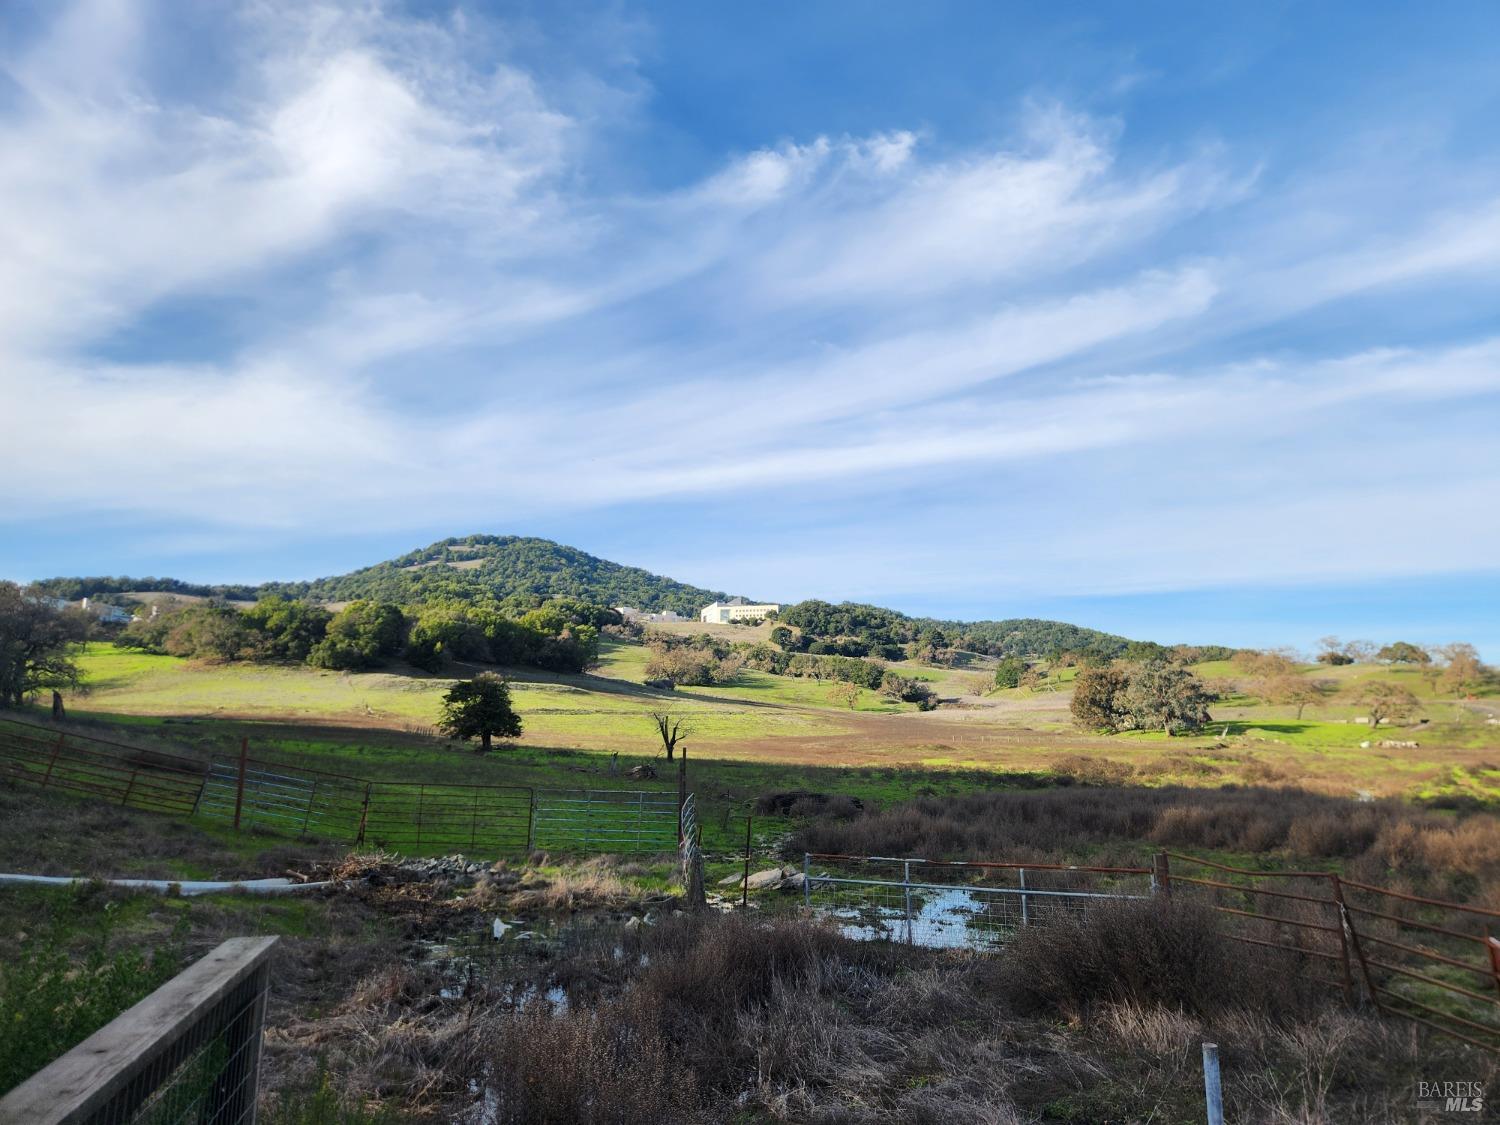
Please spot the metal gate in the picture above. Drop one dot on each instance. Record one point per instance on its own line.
(607, 820)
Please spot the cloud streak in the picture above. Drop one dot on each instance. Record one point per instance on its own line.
(447, 311)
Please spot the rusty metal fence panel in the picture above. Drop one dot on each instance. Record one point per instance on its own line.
(433, 818)
(283, 800)
(977, 906)
(189, 1052)
(1421, 959)
(101, 770)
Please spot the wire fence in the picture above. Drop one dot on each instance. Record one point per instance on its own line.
(1432, 962)
(948, 905)
(189, 1052)
(250, 794)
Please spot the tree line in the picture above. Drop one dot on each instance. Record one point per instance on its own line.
(853, 629)
(703, 660)
(560, 635)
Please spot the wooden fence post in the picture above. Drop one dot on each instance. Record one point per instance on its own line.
(198, 1036)
(1161, 875)
(239, 786)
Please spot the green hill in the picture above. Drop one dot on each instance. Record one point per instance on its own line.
(522, 567)
(504, 566)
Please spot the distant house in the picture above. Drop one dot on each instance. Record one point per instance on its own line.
(630, 613)
(112, 614)
(737, 609)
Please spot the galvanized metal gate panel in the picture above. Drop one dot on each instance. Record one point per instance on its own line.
(605, 820)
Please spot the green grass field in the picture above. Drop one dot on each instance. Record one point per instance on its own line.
(794, 726)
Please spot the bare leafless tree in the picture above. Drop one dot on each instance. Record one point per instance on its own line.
(670, 730)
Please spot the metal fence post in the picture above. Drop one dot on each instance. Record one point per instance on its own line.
(1359, 954)
(474, 822)
(1161, 875)
(1025, 919)
(312, 795)
(1212, 1090)
(421, 797)
(202, 786)
(806, 880)
(239, 785)
(52, 762)
(1337, 889)
(364, 817)
(745, 883)
(906, 898)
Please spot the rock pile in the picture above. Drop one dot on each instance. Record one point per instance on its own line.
(788, 878)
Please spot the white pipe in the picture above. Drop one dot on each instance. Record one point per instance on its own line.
(174, 886)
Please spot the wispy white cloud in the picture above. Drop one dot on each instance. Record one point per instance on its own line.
(446, 309)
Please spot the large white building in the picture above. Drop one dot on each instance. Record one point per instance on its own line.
(737, 609)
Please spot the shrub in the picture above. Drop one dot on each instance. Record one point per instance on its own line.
(51, 1001)
(1173, 955)
(610, 1066)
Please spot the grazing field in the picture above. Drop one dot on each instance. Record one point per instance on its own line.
(1099, 1033)
(790, 722)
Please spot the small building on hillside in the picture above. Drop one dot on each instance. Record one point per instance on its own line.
(630, 613)
(110, 614)
(737, 609)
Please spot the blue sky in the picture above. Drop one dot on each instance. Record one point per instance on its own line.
(1179, 320)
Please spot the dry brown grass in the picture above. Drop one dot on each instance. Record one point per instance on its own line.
(718, 1019)
(595, 883)
(1450, 855)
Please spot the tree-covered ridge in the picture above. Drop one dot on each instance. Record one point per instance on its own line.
(853, 629)
(490, 567)
(522, 571)
(503, 566)
(103, 587)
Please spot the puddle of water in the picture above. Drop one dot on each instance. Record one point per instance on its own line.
(955, 918)
(507, 968)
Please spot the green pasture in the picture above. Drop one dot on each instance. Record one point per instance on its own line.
(605, 710)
